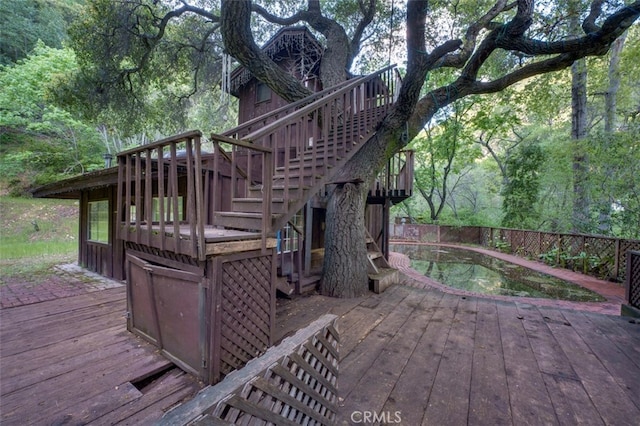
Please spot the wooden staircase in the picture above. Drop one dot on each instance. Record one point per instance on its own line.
(308, 146)
(250, 181)
(381, 274)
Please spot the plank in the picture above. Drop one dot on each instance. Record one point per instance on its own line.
(50, 367)
(26, 313)
(153, 412)
(404, 330)
(356, 363)
(623, 333)
(171, 388)
(418, 375)
(611, 402)
(62, 333)
(621, 368)
(24, 362)
(557, 371)
(67, 391)
(449, 398)
(105, 402)
(530, 401)
(358, 322)
(25, 330)
(489, 396)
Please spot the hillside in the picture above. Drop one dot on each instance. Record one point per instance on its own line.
(36, 233)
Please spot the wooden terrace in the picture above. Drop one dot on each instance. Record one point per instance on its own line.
(433, 357)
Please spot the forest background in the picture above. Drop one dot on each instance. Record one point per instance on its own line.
(506, 160)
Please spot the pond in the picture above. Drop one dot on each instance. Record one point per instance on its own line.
(476, 272)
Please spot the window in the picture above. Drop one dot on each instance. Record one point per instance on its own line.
(99, 221)
(288, 237)
(263, 93)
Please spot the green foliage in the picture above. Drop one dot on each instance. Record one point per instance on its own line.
(522, 186)
(25, 22)
(41, 141)
(139, 77)
(614, 178)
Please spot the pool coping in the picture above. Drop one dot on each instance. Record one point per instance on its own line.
(612, 292)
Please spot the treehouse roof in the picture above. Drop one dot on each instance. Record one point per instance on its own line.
(290, 42)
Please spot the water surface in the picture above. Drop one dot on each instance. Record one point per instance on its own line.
(476, 272)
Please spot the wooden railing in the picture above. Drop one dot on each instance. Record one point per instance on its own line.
(167, 189)
(396, 179)
(239, 132)
(309, 142)
(170, 190)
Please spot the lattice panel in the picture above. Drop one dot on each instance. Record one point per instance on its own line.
(548, 242)
(602, 254)
(299, 389)
(625, 246)
(246, 311)
(177, 257)
(633, 280)
(531, 244)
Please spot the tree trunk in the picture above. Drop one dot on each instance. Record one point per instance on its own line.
(611, 95)
(610, 110)
(581, 201)
(345, 255)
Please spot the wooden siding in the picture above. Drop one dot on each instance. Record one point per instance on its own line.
(104, 258)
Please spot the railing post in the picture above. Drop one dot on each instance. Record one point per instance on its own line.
(199, 202)
(268, 159)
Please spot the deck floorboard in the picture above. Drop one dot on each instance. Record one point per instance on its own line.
(72, 361)
(421, 356)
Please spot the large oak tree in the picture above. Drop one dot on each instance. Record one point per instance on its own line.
(528, 38)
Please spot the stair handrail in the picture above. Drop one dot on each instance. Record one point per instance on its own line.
(267, 175)
(292, 106)
(352, 84)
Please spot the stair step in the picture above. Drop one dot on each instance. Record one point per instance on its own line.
(254, 205)
(307, 167)
(384, 279)
(277, 190)
(307, 181)
(239, 220)
(373, 255)
(283, 286)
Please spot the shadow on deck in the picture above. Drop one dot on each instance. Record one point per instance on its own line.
(420, 356)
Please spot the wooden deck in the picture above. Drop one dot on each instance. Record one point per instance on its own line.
(432, 357)
(72, 361)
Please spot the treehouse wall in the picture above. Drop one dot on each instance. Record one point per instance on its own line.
(103, 257)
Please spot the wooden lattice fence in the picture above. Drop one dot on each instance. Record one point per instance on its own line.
(291, 384)
(633, 279)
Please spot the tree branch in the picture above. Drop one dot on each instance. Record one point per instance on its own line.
(274, 19)
(236, 33)
(469, 44)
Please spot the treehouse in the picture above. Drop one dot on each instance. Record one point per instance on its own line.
(204, 229)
